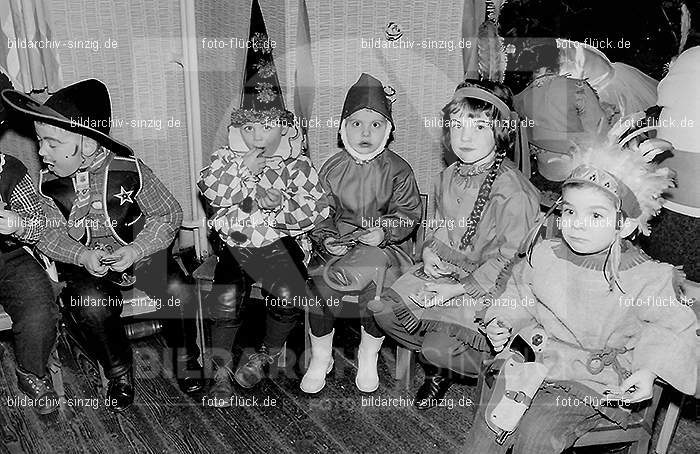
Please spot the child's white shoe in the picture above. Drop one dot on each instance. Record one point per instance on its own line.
(320, 365)
(367, 379)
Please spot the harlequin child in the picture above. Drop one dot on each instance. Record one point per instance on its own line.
(111, 224)
(608, 316)
(265, 194)
(372, 188)
(484, 207)
(25, 291)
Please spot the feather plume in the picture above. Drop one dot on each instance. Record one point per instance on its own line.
(685, 27)
(646, 180)
(492, 59)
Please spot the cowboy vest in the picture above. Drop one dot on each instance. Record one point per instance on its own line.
(11, 173)
(115, 217)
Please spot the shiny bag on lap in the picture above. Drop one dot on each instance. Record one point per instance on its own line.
(358, 268)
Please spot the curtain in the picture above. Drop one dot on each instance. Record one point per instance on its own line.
(304, 74)
(28, 52)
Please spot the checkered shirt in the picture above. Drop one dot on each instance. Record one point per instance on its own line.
(161, 210)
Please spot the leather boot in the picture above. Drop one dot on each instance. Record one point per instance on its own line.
(190, 375)
(40, 390)
(437, 382)
(321, 363)
(221, 391)
(120, 391)
(257, 367)
(367, 379)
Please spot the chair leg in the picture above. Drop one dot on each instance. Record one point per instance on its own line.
(668, 427)
(282, 358)
(405, 365)
(640, 446)
(307, 340)
(201, 334)
(103, 379)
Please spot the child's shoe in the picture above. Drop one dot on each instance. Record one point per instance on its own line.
(321, 363)
(257, 367)
(40, 390)
(120, 391)
(367, 379)
(433, 390)
(220, 393)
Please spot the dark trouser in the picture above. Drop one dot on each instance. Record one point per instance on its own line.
(436, 348)
(675, 239)
(553, 423)
(27, 297)
(94, 306)
(279, 267)
(322, 317)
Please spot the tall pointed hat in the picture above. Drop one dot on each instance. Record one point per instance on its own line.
(261, 100)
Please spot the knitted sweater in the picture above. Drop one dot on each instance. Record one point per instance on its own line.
(567, 295)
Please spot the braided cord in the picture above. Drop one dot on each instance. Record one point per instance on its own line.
(481, 199)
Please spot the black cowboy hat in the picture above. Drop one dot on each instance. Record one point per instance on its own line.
(84, 108)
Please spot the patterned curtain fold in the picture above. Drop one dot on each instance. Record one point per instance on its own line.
(304, 74)
(28, 52)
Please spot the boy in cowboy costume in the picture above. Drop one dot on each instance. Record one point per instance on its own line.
(25, 290)
(265, 193)
(111, 222)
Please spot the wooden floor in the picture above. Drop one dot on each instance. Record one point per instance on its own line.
(276, 417)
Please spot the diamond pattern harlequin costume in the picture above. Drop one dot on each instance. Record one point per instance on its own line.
(260, 243)
(232, 190)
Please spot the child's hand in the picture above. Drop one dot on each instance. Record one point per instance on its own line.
(374, 237)
(121, 259)
(642, 384)
(225, 154)
(432, 265)
(10, 222)
(335, 250)
(498, 332)
(91, 261)
(271, 200)
(254, 161)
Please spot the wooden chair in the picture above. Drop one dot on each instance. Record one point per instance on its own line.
(638, 433)
(406, 359)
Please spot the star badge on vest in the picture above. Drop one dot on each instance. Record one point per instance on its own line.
(124, 196)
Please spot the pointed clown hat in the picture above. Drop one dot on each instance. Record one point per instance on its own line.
(261, 100)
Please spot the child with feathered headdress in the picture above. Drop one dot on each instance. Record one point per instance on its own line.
(609, 318)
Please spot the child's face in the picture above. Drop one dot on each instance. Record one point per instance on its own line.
(60, 150)
(365, 130)
(588, 219)
(471, 136)
(259, 136)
